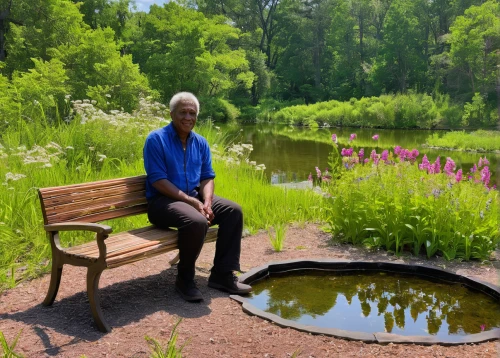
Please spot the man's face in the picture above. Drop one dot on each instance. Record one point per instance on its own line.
(184, 117)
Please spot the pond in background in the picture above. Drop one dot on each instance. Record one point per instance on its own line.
(291, 153)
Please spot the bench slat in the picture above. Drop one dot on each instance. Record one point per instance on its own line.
(133, 245)
(67, 215)
(55, 208)
(68, 189)
(111, 214)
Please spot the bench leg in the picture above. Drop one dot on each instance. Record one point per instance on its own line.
(55, 280)
(93, 276)
(174, 260)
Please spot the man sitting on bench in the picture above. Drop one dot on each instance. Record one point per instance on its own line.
(180, 194)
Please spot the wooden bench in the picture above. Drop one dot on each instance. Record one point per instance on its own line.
(81, 207)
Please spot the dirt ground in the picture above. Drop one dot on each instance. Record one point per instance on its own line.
(139, 300)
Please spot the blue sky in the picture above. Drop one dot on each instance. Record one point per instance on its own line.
(143, 5)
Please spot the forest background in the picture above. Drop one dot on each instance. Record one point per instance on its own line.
(247, 59)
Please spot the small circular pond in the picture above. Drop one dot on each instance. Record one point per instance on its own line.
(374, 301)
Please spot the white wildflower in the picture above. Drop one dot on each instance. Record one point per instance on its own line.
(94, 102)
(67, 97)
(13, 177)
(252, 162)
(91, 149)
(101, 157)
(69, 147)
(108, 95)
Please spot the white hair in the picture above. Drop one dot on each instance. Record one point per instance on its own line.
(184, 97)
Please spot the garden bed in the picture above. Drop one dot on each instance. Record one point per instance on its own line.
(216, 327)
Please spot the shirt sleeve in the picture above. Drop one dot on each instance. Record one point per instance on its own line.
(207, 172)
(154, 163)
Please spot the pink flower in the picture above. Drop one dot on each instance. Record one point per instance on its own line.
(361, 154)
(437, 166)
(352, 137)
(483, 327)
(486, 175)
(425, 163)
(482, 162)
(414, 155)
(397, 150)
(375, 137)
(458, 176)
(334, 138)
(449, 167)
(473, 169)
(385, 155)
(318, 172)
(310, 177)
(367, 160)
(373, 154)
(346, 152)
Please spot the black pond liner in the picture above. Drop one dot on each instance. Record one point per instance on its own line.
(281, 267)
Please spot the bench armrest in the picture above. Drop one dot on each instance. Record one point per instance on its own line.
(76, 225)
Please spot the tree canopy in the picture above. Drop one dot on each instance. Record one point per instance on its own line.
(251, 53)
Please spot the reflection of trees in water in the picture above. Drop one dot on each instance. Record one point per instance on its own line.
(463, 310)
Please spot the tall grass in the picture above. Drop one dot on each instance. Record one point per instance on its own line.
(480, 140)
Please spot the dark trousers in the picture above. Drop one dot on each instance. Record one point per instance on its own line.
(192, 226)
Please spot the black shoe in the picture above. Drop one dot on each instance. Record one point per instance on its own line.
(188, 290)
(228, 282)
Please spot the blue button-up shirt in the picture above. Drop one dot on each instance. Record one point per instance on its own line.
(165, 158)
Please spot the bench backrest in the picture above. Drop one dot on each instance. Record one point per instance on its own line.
(94, 201)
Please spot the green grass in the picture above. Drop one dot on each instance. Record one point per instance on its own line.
(480, 140)
(170, 350)
(8, 349)
(277, 236)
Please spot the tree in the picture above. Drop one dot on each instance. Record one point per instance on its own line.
(181, 49)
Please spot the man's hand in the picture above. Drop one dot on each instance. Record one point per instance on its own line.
(207, 206)
(204, 209)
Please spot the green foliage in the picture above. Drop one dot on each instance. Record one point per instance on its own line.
(476, 113)
(277, 238)
(474, 40)
(8, 349)
(403, 208)
(42, 90)
(480, 140)
(170, 351)
(180, 49)
(411, 110)
(218, 109)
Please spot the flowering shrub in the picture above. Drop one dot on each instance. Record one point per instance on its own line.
(390, 201)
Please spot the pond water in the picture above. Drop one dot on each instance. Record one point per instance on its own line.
(374, 301)
(291, 153)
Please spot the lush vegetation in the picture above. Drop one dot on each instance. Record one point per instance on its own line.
(399, 111)
(97, 146)
(389, 200)
(252, 58)
(478, 141)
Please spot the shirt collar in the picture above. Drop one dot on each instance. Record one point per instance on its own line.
(173, 133)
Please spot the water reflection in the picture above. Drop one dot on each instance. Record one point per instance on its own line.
(377, 302)
(296, 151)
